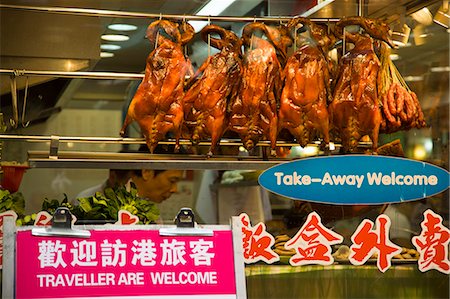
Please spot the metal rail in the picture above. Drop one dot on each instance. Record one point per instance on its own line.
(185, 164)
(127, 14)
(74, 75)
(121, 140)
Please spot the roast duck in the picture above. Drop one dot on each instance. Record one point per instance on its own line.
(254, 110)
(303, 105)
(157, 105)
(269, 92)
(355, 110)
(216, 82)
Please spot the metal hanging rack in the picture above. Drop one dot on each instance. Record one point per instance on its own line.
(54, 158)
(127, 14)
(73, 75)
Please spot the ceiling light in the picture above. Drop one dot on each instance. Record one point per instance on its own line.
(212, 8)
(198, 25)
(419, 152)
(115, 37)
(110, 47)
(442, 16)
(122, 27)
(418, 32)
(394, 57)
(400, 34)
(413, 78)
(423, 16)
(440, 69)
(106, 54)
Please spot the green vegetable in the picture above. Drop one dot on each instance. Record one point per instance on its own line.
(105, 206)
(14, 201)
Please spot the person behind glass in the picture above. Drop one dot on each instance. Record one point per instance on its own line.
(156, 185)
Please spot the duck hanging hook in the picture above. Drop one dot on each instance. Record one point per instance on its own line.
(13, 83)
(25, 124)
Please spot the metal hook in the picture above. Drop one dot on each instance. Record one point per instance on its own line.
(251, 38)
(209, 38)
(185, 46)
(295, 38)
(15, 120)
(343, 43)
(157, 33)
(24, 125)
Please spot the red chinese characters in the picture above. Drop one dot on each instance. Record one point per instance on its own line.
(367, 240)
(313, 243)
(432, 244)
(257, 242)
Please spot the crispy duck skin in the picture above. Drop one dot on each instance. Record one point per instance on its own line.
(303, 105)
(254, 111)
(157, 105)
(354, 110)
(206, 101)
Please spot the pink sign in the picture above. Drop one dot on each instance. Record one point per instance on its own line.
(119, 264)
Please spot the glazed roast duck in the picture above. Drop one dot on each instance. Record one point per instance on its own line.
(272, 91)
(254, 111)
(157, 105)
(355, 110)
(303, 105)
(216, 82)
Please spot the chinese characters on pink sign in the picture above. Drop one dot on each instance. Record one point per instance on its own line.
(125, 263)
(313, 243)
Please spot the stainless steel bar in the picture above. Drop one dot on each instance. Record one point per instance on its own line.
(120, 140)
(137, 156)
(75, 75)
(152, 164)
(127, 14)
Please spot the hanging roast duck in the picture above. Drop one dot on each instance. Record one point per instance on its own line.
(157, 105)
(303, 105)
(354, 110)
(216, 82)
(254, 111)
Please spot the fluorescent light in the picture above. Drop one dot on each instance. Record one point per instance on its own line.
(413, 78)
(394, 57)
(106, 54)
(212, 8)
(428, 144)
(198, 25)
(110, 47)
(115, 37)
(440, 69)
(122, 27)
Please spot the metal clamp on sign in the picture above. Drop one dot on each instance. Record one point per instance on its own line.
(185, 226)
(61, 226)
